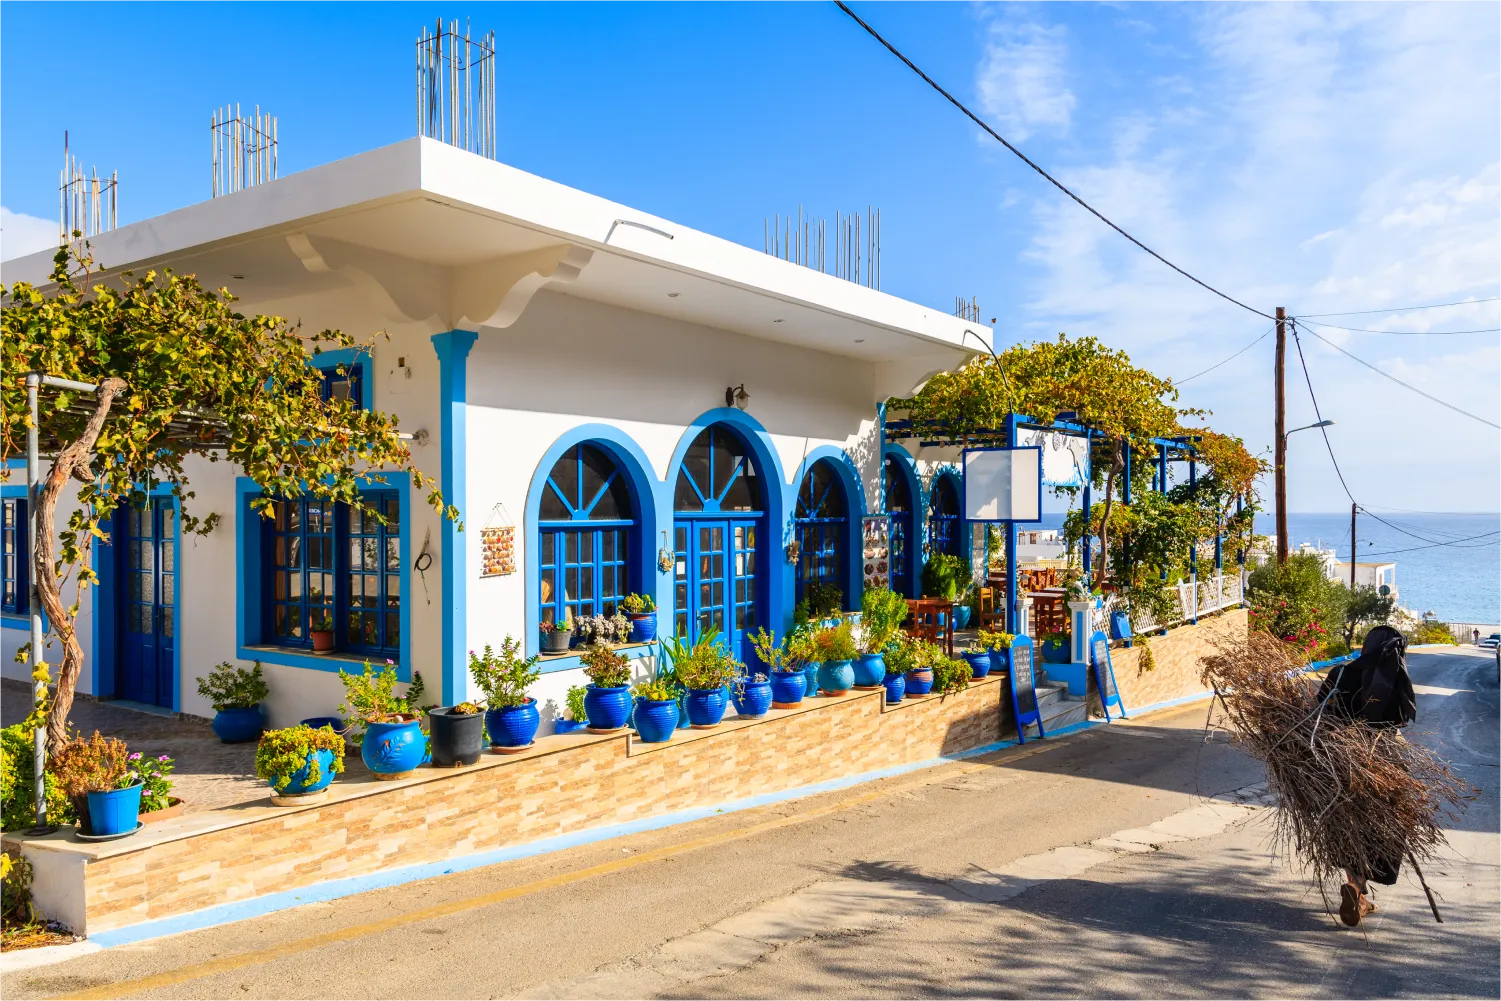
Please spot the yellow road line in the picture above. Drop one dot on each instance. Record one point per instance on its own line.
(225, 964)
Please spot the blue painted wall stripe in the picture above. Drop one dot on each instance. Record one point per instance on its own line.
(453, 382)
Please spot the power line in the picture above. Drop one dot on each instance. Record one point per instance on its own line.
(1402, 333)
(1406, 309)
(1404, 385)
(1216, 365)
(1413, 549)
(1322, 430)
(1024, 158)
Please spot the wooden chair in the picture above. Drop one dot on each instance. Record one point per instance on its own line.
(922, 620)
(987, 611)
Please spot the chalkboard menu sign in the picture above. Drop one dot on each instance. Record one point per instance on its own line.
(1024, 688)
(1104, 675)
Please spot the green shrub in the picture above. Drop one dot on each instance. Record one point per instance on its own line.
(230, 687)
(605, 667)
(951, 675)
(1431, 631)
(1287, 598)
(943, 575)
(371, 698)
(574, 702)
(824, 600)
(656, 690)
(17, 774)
(881, 613)
(638, 604)
(989, 640)
(503, 677)
(701, 666)
(282, 753)
(835, 643)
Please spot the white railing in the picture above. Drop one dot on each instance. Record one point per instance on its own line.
(1195, 598)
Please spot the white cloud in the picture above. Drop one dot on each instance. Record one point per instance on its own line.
(1335, 157)
(22, 234)
(1021, 79)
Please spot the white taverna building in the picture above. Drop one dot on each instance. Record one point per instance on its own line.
(575, 366)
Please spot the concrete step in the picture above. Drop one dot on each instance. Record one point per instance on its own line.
(1049, 693)
(1059, 713)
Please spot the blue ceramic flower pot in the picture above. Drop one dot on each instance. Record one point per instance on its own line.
(753, 699)
(787, 688)
(301, 781)
(1120, 626)
(962, 614)
(920, 682)
(896, 687)
(979, 663)
(870, 670)
(835, 677)
(705, 707)
(643, 627)
(393, 749)
(513, 726)
(561, 725)
(656, 721)
(115, 811)
(319, 722)
(239, 726)
(810, 678)
(1000, 660)
(1054, 653)
(608, 708)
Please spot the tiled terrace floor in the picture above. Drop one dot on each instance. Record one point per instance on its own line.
(209, 774)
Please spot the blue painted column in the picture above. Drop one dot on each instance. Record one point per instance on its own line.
(1087, 539)
(1013, 600)
(453, 383)
(1193, 549)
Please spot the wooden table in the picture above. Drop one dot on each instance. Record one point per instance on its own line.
(931, 619)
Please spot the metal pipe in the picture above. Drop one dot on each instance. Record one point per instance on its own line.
(34, 605)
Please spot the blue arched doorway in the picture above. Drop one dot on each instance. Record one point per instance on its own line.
(944, 535)
(587, 521)
(719, 520)
(821, 527)
(902, 509)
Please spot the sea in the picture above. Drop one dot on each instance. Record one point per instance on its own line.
(1447, 564)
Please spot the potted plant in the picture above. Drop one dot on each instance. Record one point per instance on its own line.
(321, 632)
(895, 683)
(825, 601)
(456, 734)
(901, 658)
(919, 675)
(788, 684)
(607, 630)
(999, 645)
(157, 801)
(978, 657)
(236, 695)
(835, 646)
(512, 718)
(607, 701)
(802, 654)
(299, 762)
(941, 576)
(641, 610)
(656, 715)
(704, 669)
(1055, 648)
(575, 717)
(951, 675)
(556, 636)
(964, 606)
(95, 774)
(392, 743)
(881, 613)
(752, 695)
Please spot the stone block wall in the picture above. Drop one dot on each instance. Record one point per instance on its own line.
(1177, 656)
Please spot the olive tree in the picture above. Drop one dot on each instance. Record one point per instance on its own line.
(180, 375)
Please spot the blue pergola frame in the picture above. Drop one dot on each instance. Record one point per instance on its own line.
(936, 434)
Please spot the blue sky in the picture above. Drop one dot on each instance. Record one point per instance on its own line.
(1322, 157)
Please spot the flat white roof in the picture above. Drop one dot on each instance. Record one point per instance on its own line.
(426, 204)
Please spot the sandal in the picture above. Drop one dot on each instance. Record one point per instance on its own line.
(1350, 904)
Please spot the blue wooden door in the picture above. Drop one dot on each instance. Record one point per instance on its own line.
(147, 596)
(715, 580)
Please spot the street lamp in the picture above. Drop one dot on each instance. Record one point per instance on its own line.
(1305, 427)
(1282, 487)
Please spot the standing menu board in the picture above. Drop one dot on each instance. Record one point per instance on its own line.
(1104, 675)
(1024, 689)
(875, 537)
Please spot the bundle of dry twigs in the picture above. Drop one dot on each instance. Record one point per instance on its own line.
(1351, 794)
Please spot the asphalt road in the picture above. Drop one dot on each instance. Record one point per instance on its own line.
(1094, 865)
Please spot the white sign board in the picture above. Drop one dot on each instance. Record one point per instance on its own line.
(1003, 484)
(1065, 457)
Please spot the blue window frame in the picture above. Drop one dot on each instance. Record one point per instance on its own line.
(586, 522)
(943, 518)
(329, 564)
(14, 553)
(821, 528)
(719, 505)
(899, 507)
(345, 381)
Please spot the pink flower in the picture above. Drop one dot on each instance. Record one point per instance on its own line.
(163, 758)
(135, 757)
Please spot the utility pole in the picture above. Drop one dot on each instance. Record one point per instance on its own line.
(1352, 546)
(1280, 455)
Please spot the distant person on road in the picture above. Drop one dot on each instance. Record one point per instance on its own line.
(1476, 641)
(1375, 689)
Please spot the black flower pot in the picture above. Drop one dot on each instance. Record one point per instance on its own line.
(456, 739)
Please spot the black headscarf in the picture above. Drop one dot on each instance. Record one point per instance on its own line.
(1375, 687)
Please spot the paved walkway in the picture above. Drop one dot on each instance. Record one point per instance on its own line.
(208, 775)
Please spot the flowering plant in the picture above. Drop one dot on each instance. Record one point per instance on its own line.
(603, 629)
(154, 776)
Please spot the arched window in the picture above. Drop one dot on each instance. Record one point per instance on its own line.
(943, 518)
(821, 528)
(899, 506)
(586, 521)
(719, 503)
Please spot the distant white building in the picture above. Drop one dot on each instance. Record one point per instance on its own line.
(1377, 575)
